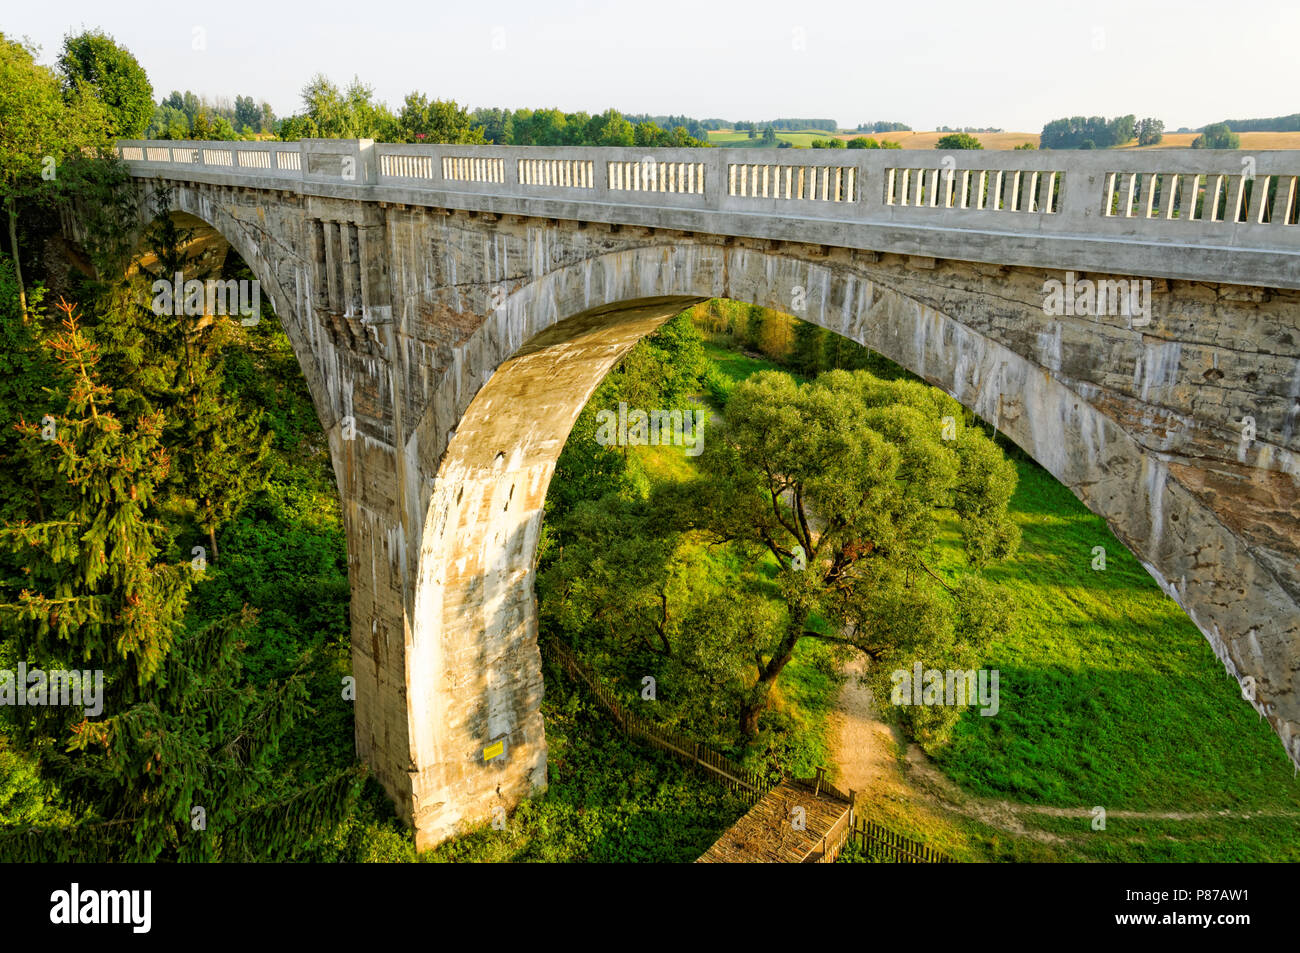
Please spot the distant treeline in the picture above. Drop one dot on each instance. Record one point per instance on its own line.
(883, 127)
(694, 127)
(551, 127)
(187, 116)
(789, 125)
(1087, 132)
(1098, 132)
(1276, 124)
(967, 129)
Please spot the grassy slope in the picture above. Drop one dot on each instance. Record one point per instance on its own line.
(1111, 697)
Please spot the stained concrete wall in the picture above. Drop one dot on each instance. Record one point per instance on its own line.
(460, 348)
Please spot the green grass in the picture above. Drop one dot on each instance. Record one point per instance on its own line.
(1109, 693)
(1143, 840)
(1109, 696)
(806, 695)
(735, 365)
(741, 140)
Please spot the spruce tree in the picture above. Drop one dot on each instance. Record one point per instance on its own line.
(26, 370)
(219, 448)
(178, 765)
(220, 453)
(809, 356)
(97, 592)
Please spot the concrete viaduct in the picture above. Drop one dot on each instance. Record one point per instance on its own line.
(453, 308)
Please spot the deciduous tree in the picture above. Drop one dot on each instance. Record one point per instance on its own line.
(958, 140)
(422, 120)
(846, 482)
(38, 129)
(95, 61)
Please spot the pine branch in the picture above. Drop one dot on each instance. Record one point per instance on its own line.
(278, 830)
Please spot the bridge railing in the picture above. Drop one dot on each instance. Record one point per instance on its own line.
(1236, 200)
(1179, 192)
(271, 160)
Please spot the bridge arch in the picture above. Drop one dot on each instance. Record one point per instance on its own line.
(473, 671)
(449, 331)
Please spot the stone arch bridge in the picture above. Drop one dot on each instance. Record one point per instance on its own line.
(454, 307)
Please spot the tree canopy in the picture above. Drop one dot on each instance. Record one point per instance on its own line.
(39, 128)
(423, 120)
(1217, 136)
(94, 60)
(1090, 132)
(833, 495)
(958, 140)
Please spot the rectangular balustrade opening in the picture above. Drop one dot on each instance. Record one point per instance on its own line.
(1004, 190)
(813, 183)
(1202, 197)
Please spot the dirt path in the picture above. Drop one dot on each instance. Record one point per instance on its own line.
(866, 751)
(864, 745)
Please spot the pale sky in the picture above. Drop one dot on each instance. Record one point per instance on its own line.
(1012, 65)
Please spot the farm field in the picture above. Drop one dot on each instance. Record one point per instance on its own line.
(1249, 140)
(1009, 140)
(927, 140)
(908, 140)
(997, 140)
(740, 140)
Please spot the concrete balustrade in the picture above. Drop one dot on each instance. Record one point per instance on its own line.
(1172, 213)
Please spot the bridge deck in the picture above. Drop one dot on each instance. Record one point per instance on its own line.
(767, 833)
(1198, 214)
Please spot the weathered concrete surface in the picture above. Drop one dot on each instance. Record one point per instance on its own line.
(462, 348)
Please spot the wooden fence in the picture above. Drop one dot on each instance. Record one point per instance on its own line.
(748, 783)
(885, 846)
